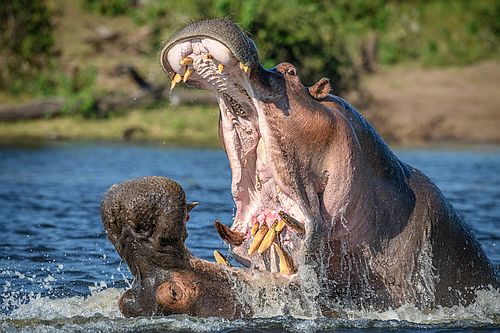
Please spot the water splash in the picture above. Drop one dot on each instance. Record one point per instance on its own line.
(102, 301)
(99, 312)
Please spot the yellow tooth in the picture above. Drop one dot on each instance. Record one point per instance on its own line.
(186, 61)
(258, 183)
(278, 189)
(177, 78)
(257, 239)
(221, 68)
(219, 257)
(286, 263)
(188, 73)
(244, 67)
(191, 205)
(280, 225)
(292, 223)
(268, 239)
(255, 228)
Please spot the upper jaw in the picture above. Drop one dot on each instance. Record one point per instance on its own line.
(243, 89)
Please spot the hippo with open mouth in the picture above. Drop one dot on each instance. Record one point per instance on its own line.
(327, 217)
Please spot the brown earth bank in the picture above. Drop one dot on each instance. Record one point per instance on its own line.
(415, 105)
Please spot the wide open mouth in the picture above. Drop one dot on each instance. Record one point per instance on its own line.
(268, 229)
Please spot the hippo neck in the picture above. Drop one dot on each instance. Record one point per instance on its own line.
(383, 181)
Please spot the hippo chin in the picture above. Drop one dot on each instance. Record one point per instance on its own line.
(327, 217)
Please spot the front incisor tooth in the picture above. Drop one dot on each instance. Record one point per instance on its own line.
(257, 239)
(188, 73)
(220, 68)
(177, 78)
(286, 264)
(255, 228)
(186, 61)
(268, 239)
(221, 259)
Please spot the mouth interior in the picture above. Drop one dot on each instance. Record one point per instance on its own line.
(265, 214)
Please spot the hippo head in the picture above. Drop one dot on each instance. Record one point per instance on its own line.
(145, 219)
(278, 136)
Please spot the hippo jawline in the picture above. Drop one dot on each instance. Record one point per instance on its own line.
(270, 218)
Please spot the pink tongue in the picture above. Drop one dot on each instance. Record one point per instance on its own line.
(267, 217)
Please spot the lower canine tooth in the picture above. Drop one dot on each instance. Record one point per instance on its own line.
(219, 257)
(188, 73)
(268, 239)
(259, 236)
(220, 68)
(292, 223)
(286, 264)
(229, 236)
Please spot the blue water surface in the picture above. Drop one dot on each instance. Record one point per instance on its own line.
(53, 242)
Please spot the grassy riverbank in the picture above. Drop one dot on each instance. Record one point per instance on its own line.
(182, 125)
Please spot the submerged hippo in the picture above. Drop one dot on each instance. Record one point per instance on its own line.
(327, 217)
(145, 219)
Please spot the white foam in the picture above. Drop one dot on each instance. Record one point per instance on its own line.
(485, 309)
(102, 302)
(99, 312)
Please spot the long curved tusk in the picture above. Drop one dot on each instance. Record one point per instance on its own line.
(286, 263)
(228, 235)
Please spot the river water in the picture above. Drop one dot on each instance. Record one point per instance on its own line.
(58, 271)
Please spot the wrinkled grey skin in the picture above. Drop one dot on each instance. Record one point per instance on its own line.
(377, 231)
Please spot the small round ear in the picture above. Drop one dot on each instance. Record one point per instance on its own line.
(321, 89)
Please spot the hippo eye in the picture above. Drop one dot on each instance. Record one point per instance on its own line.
(291, 71)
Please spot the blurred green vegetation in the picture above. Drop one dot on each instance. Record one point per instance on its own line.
(26, 44)
(322, 38)
(29, 57)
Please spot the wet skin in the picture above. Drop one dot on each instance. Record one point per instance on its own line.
(324, 210)
(145, 219)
